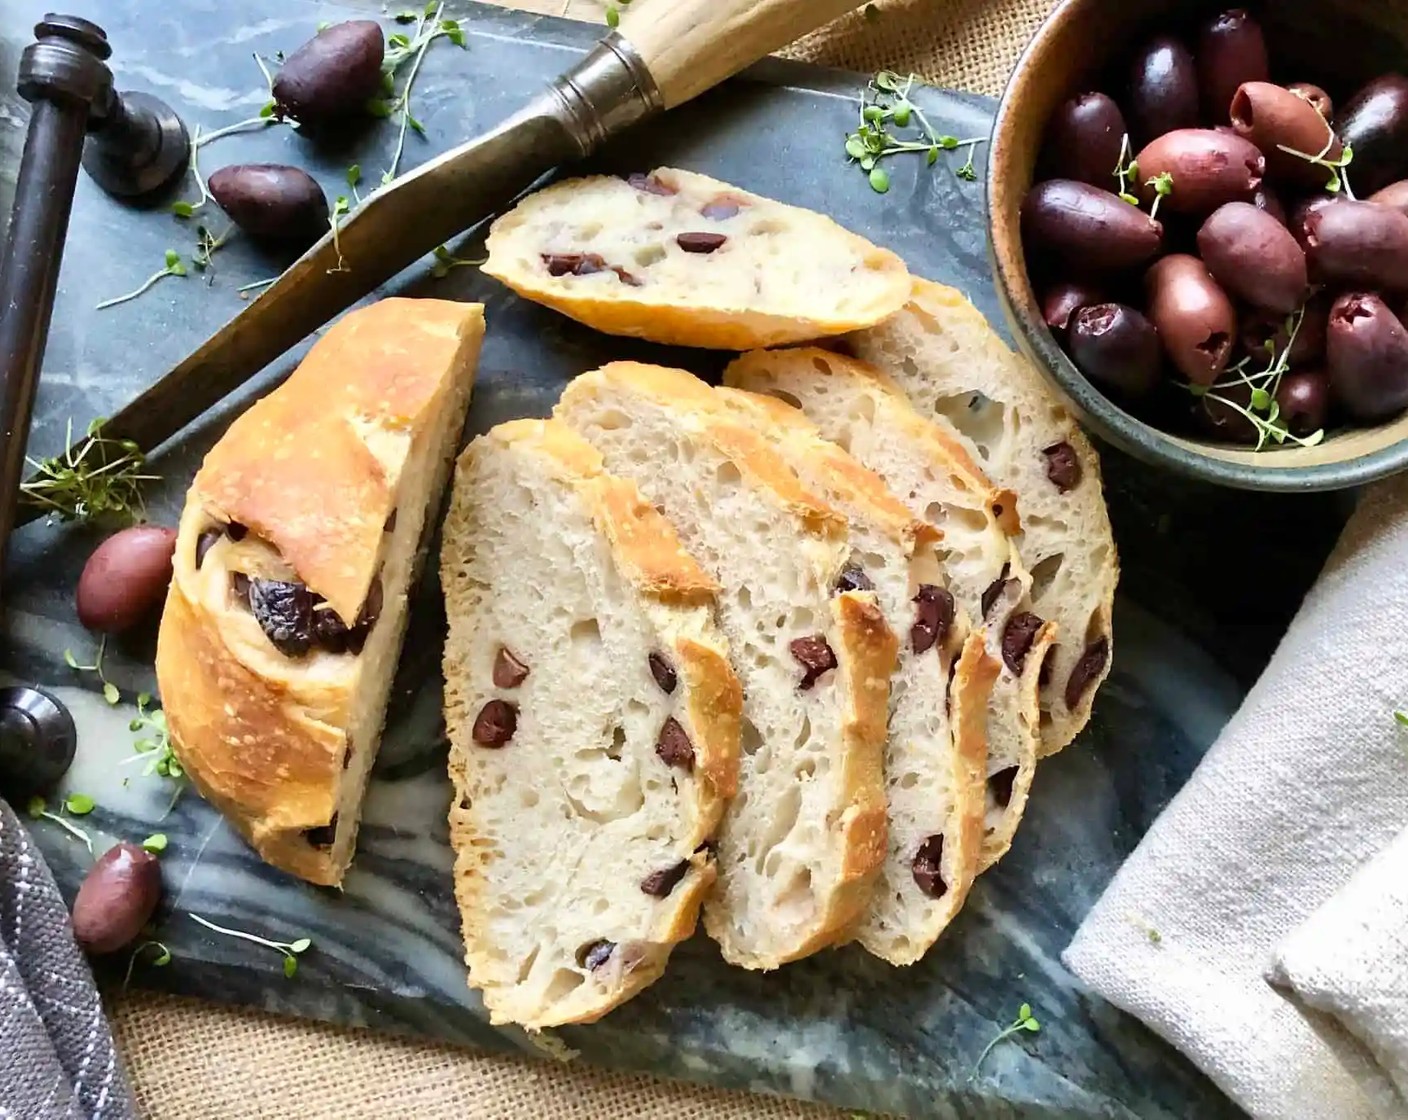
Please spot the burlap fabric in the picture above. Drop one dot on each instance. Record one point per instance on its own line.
(193, 1061)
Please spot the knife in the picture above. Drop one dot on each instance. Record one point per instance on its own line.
(666, 52)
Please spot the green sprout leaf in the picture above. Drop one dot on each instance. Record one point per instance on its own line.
(1023, 1022)
(36, 807)
(79, 804)
(879, 180)
(290, 967)
(111, 694)
(156, 843)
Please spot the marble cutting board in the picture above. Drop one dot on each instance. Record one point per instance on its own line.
(1210, 580)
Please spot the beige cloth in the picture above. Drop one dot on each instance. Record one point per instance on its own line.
(192, 1061)
(1306, 783)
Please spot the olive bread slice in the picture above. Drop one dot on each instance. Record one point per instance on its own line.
(936, 753)
(593, 722)
(677, 257)
(803, 841)
(924, 467)
(954, 368)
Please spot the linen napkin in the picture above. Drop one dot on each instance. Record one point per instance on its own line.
(57, 1060)
(1349, 959)
(1308, 780)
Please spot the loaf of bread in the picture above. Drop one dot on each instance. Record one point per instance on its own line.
(804, 839)
(593, 722)
(296, 551)
(854, 406)
(957, 371)
(677, 257)
(936, 754)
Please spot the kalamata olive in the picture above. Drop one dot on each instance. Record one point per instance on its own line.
(272, 200)
(1394, 196)
(1259, 327)
(1309, 91)
(1163, 89)
(1208, 168)
(1218, 420)
(1264, 198)
(1231, 50)
(1253, 256)
(1194, 317)
(125, 579)
(1304, 400)
(1359, 244)
(1273, 118)
(1300, 215)
(1084, 138)
(1064, 299)
(1375, 124)
(1366, 356)
(1116, 347)
(332, 75)
(116, 899)
(1089, 229)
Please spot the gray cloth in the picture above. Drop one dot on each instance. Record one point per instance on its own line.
(57, 1060)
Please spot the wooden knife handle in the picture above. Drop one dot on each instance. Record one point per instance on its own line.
(692, 45)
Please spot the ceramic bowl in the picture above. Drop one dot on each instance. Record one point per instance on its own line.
(1087, 44)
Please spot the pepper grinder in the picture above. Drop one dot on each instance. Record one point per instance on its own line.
(135, 144)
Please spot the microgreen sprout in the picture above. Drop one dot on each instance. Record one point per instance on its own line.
(268, 114)
(1125, 171)
(244, 289)
(1339, 176)
(354, 176)
(38, 809)
(445, 261)
(1402, 717)
(1163, 187)
(173, 267)
(1262, 410)
(886, 102)
(290, 950)
(613, 13)
(182, 209)
(155, 843)
(339, 210)
(1023, 1022)
(206, 244)
(97, 479)
(110, 690)
(403, 48)
(154, 742)
(160, 960)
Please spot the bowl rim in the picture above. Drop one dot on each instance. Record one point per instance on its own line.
(1094, 409)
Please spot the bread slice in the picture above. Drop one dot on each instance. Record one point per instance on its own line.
(926, 469)
(680, 258)
(936, 753)
(804, 839)
(593, 722)
(300, 539)
(957, 371)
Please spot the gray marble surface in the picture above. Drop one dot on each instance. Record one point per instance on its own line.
(1211, 579)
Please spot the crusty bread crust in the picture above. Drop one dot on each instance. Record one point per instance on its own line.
(312, 471)
(647, 554)
(675, 311)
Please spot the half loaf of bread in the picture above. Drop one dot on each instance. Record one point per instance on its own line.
(804, 839)
(680, 258)
(593, 722)
(852, 405)
(296, 552)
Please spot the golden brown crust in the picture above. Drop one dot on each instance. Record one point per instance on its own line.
(715, 709)
(263, 737)
(973, 678)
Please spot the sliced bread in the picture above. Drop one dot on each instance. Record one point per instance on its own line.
(925, 468)
(593, 722)
(956, 370)
(680, 258)
(936, 754)
(804, 839)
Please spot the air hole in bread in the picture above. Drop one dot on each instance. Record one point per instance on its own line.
(728, 474)
(648, 255)
(1044, 573)
(749, 740)
(795, 902)
(585, 636)
(618, 744)
(564, 983)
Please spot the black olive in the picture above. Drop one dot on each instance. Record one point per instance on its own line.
(1163, 92)
(332, 75)
(284, 611)
(1117, 348)
(272, 200)
(1084, 139)
(1375, 124)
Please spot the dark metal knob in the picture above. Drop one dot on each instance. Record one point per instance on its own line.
(37, 741)
(137, 147)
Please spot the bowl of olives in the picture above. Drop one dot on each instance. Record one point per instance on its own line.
(1199, 229)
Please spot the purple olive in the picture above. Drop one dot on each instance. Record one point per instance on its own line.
(1375, 124)
(1089, 229)
(1367, 358)
(1220, 421)
(1117, 348)
(1196, 321)
(1260, 327)
(333, 75)
(1304, 400)
(1254, 257)
(1084, 139)
(116, 898)
(1266, 199)
(272, 200)
(1358, 244)
(1064, 299)
(1163, 89)
(1300, 215)
(1394, 196)
(125, 580)
(1322, 101)
(1208, 168)
(1273, 118)
(1231, 50)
